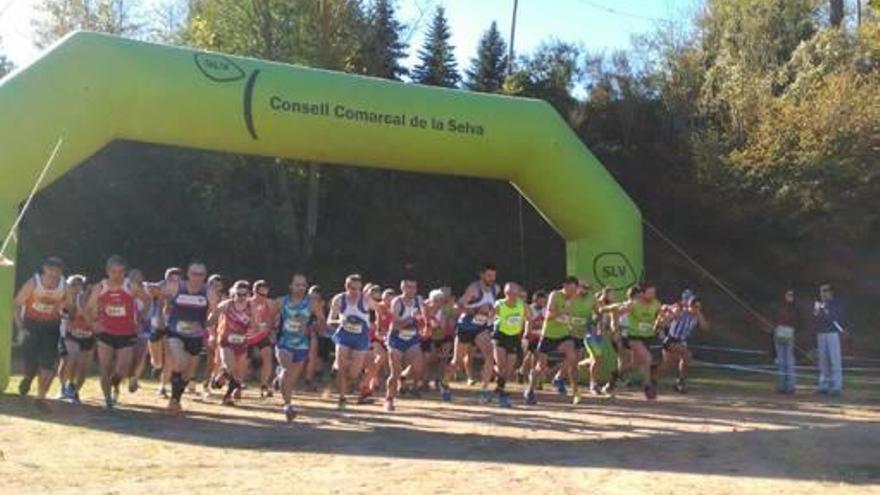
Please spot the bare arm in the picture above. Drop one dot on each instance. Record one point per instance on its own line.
(469, 294)
(333, 318)
(92, 311)
(20, 301)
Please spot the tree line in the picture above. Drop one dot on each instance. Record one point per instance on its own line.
(748, 134)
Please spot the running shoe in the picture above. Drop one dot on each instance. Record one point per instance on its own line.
(608, 388)
(559, 383)
(341, 403)
(237, 394)
(485, 397)
(681, 387)
(75, 398)
(24, 386)
(162, 392)
(219, 381)
(174, 407)
(133, 385)
(365, 398)
(389, 405)
(228, 401)
(576, 399)
(504, 401)
(471, 382)
(446, 394)
(529, 397)
(289, 413)
(109, 403)
(650, 392)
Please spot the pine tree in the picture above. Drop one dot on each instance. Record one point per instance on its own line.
(382, 49)
(487, 70)
(437, 65)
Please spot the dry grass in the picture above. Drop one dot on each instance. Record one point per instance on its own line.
(737, 438)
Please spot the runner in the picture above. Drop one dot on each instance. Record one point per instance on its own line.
(213, 360)
(511, 313)
(619, 324)
(320, 349)
(643, 311)
(407, 323)
(142, 317)
(474, 327)
(112, 311)
(532, 335)
(583, 307)
(379, 328)
(683, 318)
(556, 337)
(189, 303)
(233, 318)
(350, 314)
(157, 344)
(77, 338)
(294, 338)
(38, 318)
(595, 339)
(262, 339)
(440, 310)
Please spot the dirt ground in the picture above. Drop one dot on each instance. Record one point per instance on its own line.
(728, 436)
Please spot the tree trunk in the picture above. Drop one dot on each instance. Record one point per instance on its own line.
(312, 197)
(836, 13)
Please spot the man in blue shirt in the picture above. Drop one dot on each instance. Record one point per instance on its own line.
(828, 314)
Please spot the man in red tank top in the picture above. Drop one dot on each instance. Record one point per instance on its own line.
(111, 311)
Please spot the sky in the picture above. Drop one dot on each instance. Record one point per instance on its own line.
(595, 24)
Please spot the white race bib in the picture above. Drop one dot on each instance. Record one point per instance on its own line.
(564, 319)
(645, 327)
(353, 327)
(236, 338)
(407, 334)
(293, 326)
(480, 319)
(80, 333)
(115, 311)
(514, 320)
(577, 321)
(41, 307)
(188, 328)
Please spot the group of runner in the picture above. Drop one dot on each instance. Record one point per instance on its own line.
(395, 333)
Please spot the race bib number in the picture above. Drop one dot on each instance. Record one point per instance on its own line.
(236, 339)
(564, 319)
(293, 326)
(44, 308)
(188, 328)
(155, 321)
(407, 334)
(578, 322)
(115, 311)
(514, 321)
(80, 333)
(353, 326)
(646, 327)
(480, 319)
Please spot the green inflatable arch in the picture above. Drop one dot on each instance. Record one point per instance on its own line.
(90, 89)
